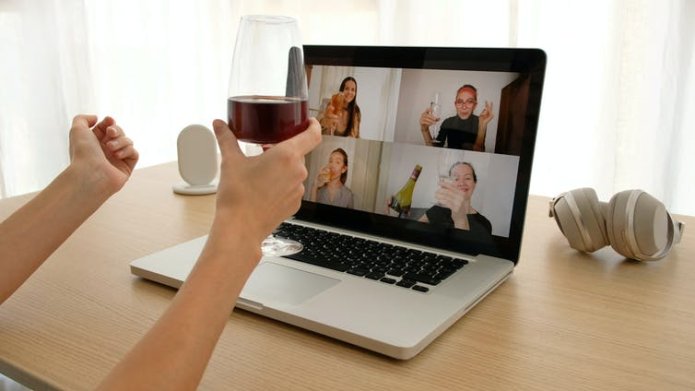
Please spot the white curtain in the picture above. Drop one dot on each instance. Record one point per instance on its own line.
(617, 104)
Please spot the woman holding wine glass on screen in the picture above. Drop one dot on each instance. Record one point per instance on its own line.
(268, 91)
(454, 208)
(465, 130)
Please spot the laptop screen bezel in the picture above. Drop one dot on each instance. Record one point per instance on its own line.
(527, 61)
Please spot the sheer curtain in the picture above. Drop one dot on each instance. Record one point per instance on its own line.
(619, 85)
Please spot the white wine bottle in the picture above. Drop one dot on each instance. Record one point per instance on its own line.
(401, 201)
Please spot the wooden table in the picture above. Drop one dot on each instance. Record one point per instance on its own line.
(564, 320)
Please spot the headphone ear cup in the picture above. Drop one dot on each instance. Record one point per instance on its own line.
(651, 225)
(638, 225)
(578, 214)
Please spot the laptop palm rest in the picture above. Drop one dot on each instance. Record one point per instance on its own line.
(271, 283)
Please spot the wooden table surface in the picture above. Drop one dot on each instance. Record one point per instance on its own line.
(564, 320)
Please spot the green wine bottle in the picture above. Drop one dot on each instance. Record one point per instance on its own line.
(400, 202)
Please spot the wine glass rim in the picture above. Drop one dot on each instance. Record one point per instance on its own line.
(277, 19)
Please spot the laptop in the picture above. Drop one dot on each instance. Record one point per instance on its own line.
(409, 225)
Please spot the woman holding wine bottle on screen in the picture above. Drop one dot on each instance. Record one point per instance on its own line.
(454, 207)
(342, 115)
(329, 185)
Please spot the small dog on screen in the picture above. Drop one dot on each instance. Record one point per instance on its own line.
(333, 111)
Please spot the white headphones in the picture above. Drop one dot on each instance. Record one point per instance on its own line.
(633, 222)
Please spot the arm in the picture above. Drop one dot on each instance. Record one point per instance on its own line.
(451, 197)
(426, 120)
(175, 352)
(329, 122)
(351, 200)
(329, 118)
(483, 119)
(320, 181)
(102, 159)
(355, 132)
(314, 192)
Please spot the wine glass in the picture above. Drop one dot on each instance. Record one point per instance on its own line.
(267, 99)
(445, 160)
(435, 110)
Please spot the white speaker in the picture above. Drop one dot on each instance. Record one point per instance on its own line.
(197, 153)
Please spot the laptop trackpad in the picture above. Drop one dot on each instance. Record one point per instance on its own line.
(274, 283)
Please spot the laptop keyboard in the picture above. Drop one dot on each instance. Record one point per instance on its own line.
(383, 262)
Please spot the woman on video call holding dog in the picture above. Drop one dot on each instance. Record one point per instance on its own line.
(342, 115)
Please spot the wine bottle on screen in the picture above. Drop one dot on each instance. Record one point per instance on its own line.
(401, 201)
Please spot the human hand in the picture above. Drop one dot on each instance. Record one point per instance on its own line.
(427, 118)
(323, 177)
(261, 191)
(450, 196)
(458, 201)
(329, 121)
(389, 210)
(101, 153)
(332, 124)
(486, 115)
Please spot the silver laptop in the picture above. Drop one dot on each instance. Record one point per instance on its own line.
(424, 220)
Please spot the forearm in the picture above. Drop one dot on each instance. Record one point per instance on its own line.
(314, 192)
(427, 137)
(322, 121)
(480, 138)
(30, 235)
(462, 223)
(175, 352)
(327, 123)
(356, 128)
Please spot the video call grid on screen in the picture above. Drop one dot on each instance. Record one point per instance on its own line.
(390, 143)
(391, 103)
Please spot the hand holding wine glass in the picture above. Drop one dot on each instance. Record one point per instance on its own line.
(323, 177)
(267, 100)
(244, 193)
(445, 161)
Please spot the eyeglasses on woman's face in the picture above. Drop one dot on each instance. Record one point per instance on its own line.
(467, 102)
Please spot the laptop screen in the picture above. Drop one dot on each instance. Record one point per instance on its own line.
(431, 146)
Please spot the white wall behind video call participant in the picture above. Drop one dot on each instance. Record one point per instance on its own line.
(419, 86)
(494, 191)
(377, 96)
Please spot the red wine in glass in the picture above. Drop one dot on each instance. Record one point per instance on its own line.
(266, 119)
